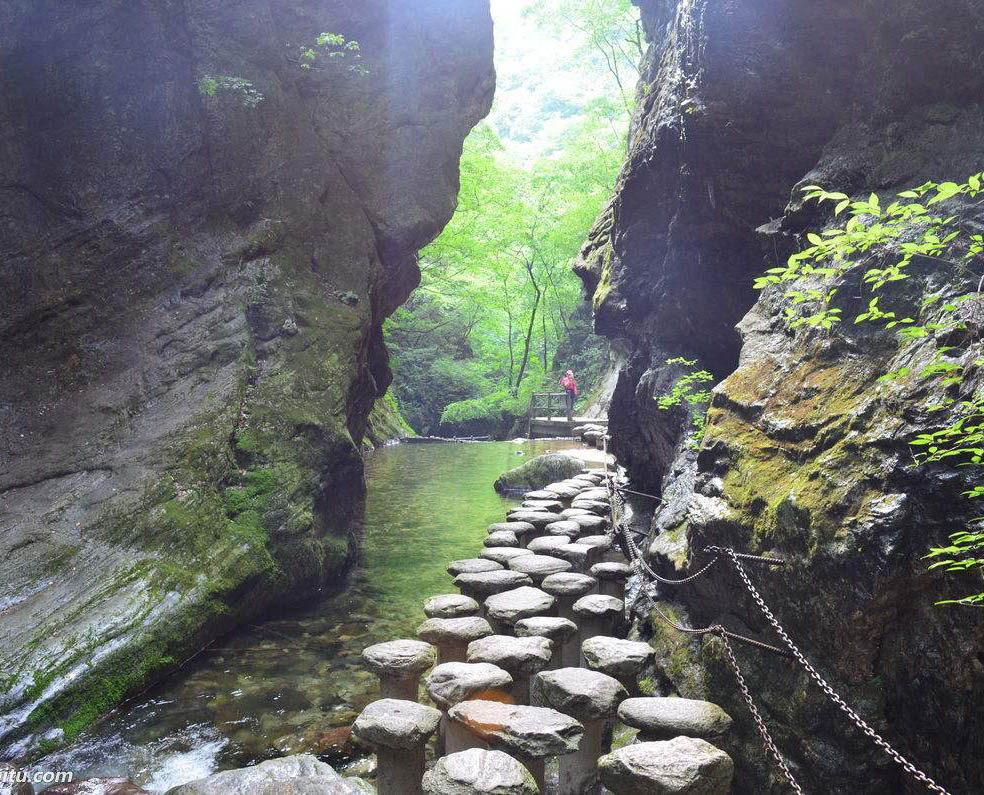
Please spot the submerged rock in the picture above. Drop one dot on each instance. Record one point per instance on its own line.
(290, 775)
(537, 473)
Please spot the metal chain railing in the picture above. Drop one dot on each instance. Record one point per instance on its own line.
(858, 721)
(647, 575)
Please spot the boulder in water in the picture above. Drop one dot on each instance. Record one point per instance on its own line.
(289, 775)
(538, 472)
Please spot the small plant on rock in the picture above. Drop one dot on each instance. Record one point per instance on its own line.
(688, 390)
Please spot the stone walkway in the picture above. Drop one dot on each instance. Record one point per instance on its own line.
(528, 664)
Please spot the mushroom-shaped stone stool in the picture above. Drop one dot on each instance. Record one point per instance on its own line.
(599, 507)
(620, 659)
(539, 566)
(567, 588)
(593, 699)
(531, 734)
(520, 657)
(580, 556)
(683, 764)
(506, 608)
(399, 664)
(558, 630)
(450, 683)
(564, 527)
(539, 519)
(399, 730)
(523, 530)
(485, 583)
(665, 718)
(540, 494)
(590, 524)
(597, 615)
(452, 635)
(553, 506)
(502, 555)
(544, 544)
(479, 772)
(472, 566)
(450, 605)
(611, 578)
(501, 538)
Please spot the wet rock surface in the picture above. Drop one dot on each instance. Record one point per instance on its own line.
(290, 775)
(538, 472)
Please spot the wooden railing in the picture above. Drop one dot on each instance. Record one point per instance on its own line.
(547, 401)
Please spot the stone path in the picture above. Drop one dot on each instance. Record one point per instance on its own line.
(529, 664)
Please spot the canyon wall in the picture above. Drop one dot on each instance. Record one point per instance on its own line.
(193, 288)
(806, 453)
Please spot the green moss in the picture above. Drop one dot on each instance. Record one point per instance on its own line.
(246, 443)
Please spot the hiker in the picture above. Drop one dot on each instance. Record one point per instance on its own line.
(570, 387)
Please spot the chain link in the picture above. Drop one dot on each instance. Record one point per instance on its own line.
(643, 570)
(763, 730)
(858, 721)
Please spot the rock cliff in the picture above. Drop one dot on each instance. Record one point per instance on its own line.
(806, 454)
(193, 290)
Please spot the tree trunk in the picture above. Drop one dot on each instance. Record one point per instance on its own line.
(529, 329)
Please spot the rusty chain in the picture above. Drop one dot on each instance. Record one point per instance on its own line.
(858, 721)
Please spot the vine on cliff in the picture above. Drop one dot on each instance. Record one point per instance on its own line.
(907, 229)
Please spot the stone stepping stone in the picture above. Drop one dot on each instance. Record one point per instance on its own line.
(597, 615)
(590, 524)
(399, 731)
(592, 698)
(451, 605)
(506, 608)
(595, 506)
(599, 494)
(399, 664)
(451, 683)
(485, 583)
(539, 519)
(540, 494)
(539, 566)
(561, 631)
(564, 528)
(543, 544)
(521, 657)
(569, 513)
(580, 556)
(620, 659)
(563, 490)
(592, 478)
(452, 635)
(519, 528)
(531, 734)
(471, 566)
(501, 538)
(479, 772)
(567, 588)
(666, 718)
(683, 765)
(602, 541)
(551, 506)
(502, 555)
(611, 577)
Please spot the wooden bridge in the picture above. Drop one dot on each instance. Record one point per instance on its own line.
(548, 416)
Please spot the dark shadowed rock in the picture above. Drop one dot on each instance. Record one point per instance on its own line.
(193, 297)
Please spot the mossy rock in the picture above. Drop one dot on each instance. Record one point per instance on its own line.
(538, 472)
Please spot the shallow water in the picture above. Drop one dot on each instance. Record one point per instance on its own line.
(270, 689)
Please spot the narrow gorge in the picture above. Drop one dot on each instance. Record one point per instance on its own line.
(244, 242)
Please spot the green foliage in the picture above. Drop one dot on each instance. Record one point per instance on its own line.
(332, 47)
(687, 391)
(242, 89)
(498, 301)
(905, 230)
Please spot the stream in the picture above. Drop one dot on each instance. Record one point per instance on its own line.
(273, 687)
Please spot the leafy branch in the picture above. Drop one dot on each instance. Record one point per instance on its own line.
(905, 229)
(686, 390)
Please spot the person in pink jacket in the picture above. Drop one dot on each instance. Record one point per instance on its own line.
(570, 387)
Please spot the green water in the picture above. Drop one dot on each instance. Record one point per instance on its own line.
(272, 688)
